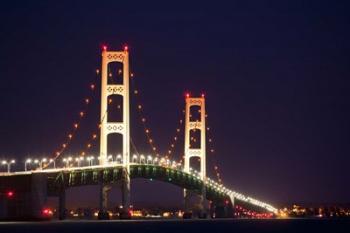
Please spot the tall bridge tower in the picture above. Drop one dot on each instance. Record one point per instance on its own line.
(199, 152)
(122, 127)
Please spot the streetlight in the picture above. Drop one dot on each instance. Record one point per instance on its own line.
(90, 160)
(162, 161)
(54, 163)
(78, 161)
(67, 160)
(173, 164)
(100, 159)
(134, 158)
(155, 160)
(142, 157)
(44, 160)
(149, 159)
(28, 161)
(119, 158)
(4, 162)
(36, 161)
(179, 166)
(110, 158)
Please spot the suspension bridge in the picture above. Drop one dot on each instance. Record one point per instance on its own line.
(23, 194)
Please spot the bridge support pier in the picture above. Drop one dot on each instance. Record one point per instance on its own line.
(125, 188)
(203, 212)
(221, 210)
(62, 204)
(187, 205)
(103, 201)
(198, 208)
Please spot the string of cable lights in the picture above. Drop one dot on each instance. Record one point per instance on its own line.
(174, 140)
(142, 118)
(212, 154)
(90, 143)
(75, 126)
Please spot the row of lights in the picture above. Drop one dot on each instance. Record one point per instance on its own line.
(220, 188)
(39, 162)
(240, 211)
(164, 161)
(79, 161)
(175, 139)
(142, 159)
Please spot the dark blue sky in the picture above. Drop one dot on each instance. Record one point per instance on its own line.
(275, 73)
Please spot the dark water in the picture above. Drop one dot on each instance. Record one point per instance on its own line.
(168, 226)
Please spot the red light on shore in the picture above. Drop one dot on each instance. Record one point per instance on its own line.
(47, 212)
(10, 194)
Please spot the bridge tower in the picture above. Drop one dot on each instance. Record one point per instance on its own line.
(195, 152)
(122, 127)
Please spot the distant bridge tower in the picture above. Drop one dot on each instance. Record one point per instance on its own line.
(195, 152)
(122, 127)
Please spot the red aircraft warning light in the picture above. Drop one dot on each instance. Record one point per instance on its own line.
(104, 47)
(187, 95)
(126, 48)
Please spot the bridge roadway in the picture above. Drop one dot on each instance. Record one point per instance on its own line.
(39, 184)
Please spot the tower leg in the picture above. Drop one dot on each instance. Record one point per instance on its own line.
(187, 205)
(202, 203)
(222, 210)
(211, 209)
(125, 211)
(186, 201)
(196, 207)
(62, 204)
(103, 201)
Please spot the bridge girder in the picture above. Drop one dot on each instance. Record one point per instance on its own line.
(113, 175)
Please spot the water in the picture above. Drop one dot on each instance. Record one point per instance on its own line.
(169, 226)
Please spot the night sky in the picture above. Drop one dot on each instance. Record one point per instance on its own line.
(275, 74)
